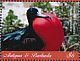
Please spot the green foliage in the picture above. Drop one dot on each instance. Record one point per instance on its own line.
(10, 18)
(8, 22)
(74, 43)
(73, 39)
(43, 5)
(0, 4)
(62, 10)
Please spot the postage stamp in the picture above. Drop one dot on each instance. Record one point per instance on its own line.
(40, 30)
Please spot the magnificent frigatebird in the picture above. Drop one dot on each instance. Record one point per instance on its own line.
(43, 33)
(24, 38)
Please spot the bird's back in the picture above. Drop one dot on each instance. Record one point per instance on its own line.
(22, 39)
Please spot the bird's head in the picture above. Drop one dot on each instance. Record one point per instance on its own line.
(33, 13)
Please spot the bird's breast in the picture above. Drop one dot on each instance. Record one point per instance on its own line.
(50, 31)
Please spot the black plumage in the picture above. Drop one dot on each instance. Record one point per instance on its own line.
(25, 38)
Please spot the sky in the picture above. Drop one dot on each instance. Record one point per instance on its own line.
(19, 10)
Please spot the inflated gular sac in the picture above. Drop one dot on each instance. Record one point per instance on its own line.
(50, 31)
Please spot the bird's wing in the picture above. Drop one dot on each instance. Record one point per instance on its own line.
(14, 35)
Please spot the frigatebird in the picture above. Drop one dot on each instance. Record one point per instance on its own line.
(24, 38)
(44, 32)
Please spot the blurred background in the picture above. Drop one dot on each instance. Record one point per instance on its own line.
(14, 18)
